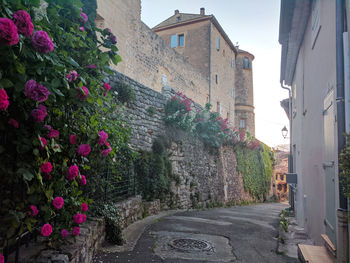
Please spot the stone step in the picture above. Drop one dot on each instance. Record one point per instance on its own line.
(314, 254)
(329, 245)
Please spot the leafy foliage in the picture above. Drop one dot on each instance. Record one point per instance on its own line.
(154, 172)
(125, 92)
(344, 161)
(76, 47)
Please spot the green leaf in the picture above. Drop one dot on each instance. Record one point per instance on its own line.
(36, 152)
(99, 101)
(58, 92)
(73, 62)
(6, 83)
(28, 176)
(56, 83)
(20, 67)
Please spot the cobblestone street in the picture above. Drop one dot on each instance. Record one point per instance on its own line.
(237, 234)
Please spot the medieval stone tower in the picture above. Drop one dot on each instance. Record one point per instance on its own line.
(244, 97)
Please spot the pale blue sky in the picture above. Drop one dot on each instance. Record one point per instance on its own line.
(254, 25)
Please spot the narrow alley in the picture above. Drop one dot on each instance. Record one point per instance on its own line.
(237, 234)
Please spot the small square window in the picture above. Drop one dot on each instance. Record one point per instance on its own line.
(173, 41)
(232, 92)
(218, 107)
(233, 63)
(246, 63)
(217, 43)
(181, 40)
(242, 123)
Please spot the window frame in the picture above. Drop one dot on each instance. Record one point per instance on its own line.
(244, 122)
(246, 63)
(179, 36)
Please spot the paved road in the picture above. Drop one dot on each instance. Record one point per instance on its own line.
(238, 234)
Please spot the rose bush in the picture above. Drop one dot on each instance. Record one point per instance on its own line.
(51, 101)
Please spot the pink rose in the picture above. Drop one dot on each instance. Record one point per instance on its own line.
(73, 172)
(82, 93)
(73, 139)
(103, 136)
(39, 114)
(105, 152)
(84, 17)
(106, 86)
(14, 123)
(84, 207)
(58, 202)
(23, 22)
(46, 230)
(91, 66)
(82, 181)
(72, 76)
(84, 150)
(64, 233)
(8, 32)
(46, 168)
(113, 39)
(79, 218)
(53, 134)
(34, 210)
(36, 91)
(2, 259)
(75, 231)
(82, 29)
(4, 99)
(43, 143)
(42, 42)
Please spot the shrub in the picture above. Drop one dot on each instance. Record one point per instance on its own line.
(125, 92)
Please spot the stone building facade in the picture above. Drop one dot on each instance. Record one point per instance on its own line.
(206, 67)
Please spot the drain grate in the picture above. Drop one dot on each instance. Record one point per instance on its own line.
(190, 245)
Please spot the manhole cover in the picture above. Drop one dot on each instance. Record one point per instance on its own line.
(190, 245)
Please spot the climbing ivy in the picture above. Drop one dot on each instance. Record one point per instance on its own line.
(344, 161)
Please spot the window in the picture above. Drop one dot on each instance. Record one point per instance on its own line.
(216, 79)
(181, 40)
(282, 177)
(217, 43)
(232, 92)
(173, 41)
(218, 107)
(233, 63)
(177, 41)
(246, 63)
(242, 123)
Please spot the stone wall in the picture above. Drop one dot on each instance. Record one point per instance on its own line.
(204, 175)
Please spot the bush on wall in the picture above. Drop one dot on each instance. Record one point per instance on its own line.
(344, 161)
(58, 119)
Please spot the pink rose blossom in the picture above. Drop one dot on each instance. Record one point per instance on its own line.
(46, 168)
(84, 207)
(106, 86)
(42, 42)
(82, 93)
(105, 152)
(13, 123)
(8, 32)
(36, 91)
(64, 233)
(72, 76)
(39, 114)
(113, 39)
(75, 231)
(23, 22)
(84, 17)
(34, 210)
(53, 134)
(43, 143)
(84, 150)
(58, 202)
(2, 259)
(91, 66)
(82, 29)
(73, 139)
(4, 99)
(79, 218)
(46, 230)
(82, 181)
(72, 172)
(48, 127)
(103, 136)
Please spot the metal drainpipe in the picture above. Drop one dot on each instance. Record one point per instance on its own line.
(210, 62)
(290, 163)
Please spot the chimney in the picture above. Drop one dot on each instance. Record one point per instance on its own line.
(177, 12)
(202, 11)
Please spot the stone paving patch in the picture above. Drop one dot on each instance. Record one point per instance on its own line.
(192, 246)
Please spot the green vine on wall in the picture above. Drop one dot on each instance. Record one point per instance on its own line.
(344, 161)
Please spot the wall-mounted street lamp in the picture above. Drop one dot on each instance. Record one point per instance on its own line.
(284, 132)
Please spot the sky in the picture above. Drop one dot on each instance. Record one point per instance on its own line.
(254, 25)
